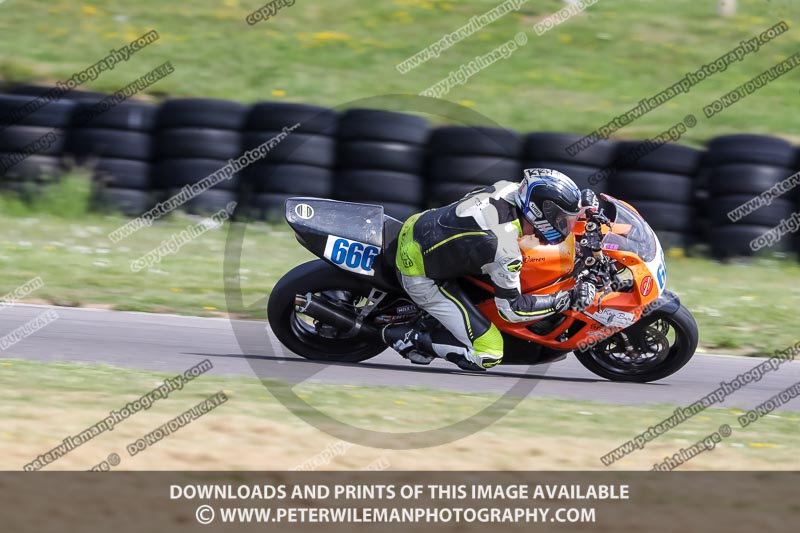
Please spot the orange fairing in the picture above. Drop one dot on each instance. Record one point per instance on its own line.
(543, 264)
(547, 268)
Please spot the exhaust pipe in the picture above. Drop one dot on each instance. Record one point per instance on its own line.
(326, 313)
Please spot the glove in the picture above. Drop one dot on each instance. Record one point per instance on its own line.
(582, 295)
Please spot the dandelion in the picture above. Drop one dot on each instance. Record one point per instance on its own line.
(403, 17)
(330, 36)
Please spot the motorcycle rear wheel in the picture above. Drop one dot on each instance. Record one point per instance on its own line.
(664, 342)
(303, 335)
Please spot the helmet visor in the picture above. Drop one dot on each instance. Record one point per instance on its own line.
(561, 220)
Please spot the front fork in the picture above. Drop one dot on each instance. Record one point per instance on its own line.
(668, 303)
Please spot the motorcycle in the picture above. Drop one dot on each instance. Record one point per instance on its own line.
(333, 308)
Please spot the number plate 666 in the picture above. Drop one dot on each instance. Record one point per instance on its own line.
(351, 255)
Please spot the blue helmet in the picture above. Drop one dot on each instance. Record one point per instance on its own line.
(550, 201)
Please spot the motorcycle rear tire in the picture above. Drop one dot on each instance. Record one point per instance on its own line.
(317, 276)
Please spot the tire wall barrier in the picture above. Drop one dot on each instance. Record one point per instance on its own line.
(140, 153)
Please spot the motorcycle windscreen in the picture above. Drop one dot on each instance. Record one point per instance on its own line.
(629, 232)
(357, 222)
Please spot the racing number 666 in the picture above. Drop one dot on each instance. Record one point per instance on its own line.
(353, 254)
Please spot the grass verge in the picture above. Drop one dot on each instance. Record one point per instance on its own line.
(254, 431)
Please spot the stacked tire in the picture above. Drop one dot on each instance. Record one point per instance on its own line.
(116, 143)
(379, 160)
(740, 168)
(31, 144)
(301, 164)
(796, 195)
(660, 184)
(194, 138)
(586, 168)
(462, 159)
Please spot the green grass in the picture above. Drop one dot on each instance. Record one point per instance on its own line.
(67, 198)
(740, 307)
(573, 78)
(81, 266)
(94, 390)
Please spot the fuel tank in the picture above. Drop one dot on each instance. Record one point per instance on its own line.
(543, 264)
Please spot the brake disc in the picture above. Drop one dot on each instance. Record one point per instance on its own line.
(656, 342)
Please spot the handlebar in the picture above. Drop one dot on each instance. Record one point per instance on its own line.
(591, 264)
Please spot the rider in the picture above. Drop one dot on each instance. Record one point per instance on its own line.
(479, 235)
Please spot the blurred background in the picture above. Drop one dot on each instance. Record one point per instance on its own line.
(365, 135)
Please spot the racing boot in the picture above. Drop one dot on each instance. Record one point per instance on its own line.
(443, 344)
(415, 345)
(404, 339)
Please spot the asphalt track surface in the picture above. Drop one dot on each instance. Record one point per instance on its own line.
(172, 344)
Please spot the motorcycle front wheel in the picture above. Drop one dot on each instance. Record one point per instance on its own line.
(655, 347)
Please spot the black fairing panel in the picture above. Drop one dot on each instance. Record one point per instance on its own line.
(315, 219)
